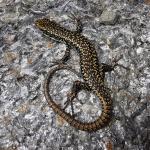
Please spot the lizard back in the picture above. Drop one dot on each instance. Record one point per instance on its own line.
(91, 70)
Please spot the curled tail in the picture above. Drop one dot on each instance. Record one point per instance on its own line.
(99, 123)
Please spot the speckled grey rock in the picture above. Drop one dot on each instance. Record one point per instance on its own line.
(26, 55)
(109, 17)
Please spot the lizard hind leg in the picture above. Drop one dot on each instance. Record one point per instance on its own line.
(76, 88)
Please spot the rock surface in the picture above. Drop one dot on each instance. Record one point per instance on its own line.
(26, 55)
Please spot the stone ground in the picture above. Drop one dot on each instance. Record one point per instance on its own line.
(117, 29)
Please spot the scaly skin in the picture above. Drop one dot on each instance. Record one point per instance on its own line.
(92, 72)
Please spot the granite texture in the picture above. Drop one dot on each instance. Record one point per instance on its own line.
(119, 29)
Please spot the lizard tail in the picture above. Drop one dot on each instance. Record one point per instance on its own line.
(99, 123)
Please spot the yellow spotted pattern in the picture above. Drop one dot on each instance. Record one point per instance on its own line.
(91, 70)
